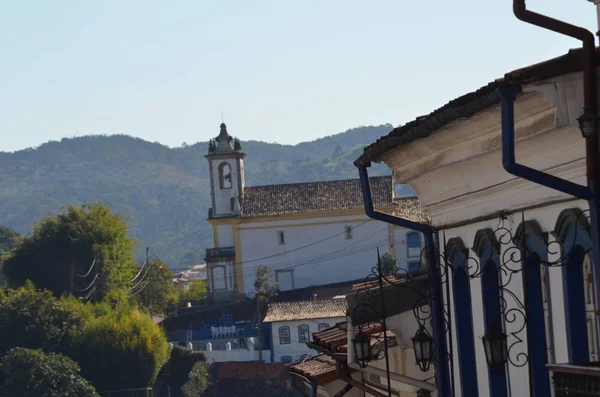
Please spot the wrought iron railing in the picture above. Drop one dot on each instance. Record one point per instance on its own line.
(576, 380)
(221, 252)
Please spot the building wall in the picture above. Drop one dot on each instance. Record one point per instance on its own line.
(310, 253)
(223, 196)
(221, 356)
(224, 235)
(295, 349)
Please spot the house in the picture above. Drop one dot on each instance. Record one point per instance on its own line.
(307, 233)
(337, 369)
(293, 323)
(515, 265)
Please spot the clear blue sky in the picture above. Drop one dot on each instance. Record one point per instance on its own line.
(283, 71)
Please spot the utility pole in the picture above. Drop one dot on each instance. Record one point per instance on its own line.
(259, 322)
(597, 3)
(71, 278)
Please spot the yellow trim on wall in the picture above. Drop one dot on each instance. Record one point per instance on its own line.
(216, 235)
(238, 267)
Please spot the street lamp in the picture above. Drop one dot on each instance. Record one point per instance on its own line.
(362, 349)
(588, 124)
(423, 346)
(495, 346)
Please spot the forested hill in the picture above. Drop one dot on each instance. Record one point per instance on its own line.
(164, 193)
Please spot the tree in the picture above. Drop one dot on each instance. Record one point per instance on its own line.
(198, 381)
(62, 249)
(33, 373)
(8, 239)
(38, 320)
(263, 285)
(194, 291)
(159, 293)
(388, 263)
(122, 349)
(179, 367)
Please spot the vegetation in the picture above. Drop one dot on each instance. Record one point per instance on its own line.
(157, 291)
(37, 320)
(8, 239)
(33, 373)
(195, 292)
(120, 350)
(183, 371)
(388, 263)
(163, 193)
(62, 248)
(263, 284)
(198, 381)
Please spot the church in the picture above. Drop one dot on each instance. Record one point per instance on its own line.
(309, 234)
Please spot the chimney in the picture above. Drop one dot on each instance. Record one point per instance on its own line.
(314, 297)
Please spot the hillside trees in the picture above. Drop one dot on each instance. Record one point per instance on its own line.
(62, 248)
(8, 239)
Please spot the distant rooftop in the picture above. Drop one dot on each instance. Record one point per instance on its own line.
(289, 311)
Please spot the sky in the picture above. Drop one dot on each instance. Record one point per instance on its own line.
(280, 71)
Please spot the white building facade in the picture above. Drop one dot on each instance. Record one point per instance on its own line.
(307, 233)
(515, 254)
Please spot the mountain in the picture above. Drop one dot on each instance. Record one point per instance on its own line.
(163, 192)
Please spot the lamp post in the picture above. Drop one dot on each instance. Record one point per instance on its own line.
(423, 346)
(588, 124)
(362, 349)
(495, 346)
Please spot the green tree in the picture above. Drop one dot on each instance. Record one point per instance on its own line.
(62, 248)
(198, 381)
(388, 263)
(158, 292)
(38, 320)
(180, 365)
(263, 284)
(194, 292)
(8, 239)
(33, 373)
(122, 349)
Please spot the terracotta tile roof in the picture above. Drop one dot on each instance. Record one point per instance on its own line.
(409, 208)
(469, 104)
(297, 198)
(335, 339)
(319, 368)
(288, 311)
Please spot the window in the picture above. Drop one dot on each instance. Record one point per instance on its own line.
(303, 357)
(414, 266)
(225, 176)
(303, 332)
(286, 359)
(348, 230)
(323, 326)
(284, 279)
(219, 281)
(281, 237)
(413, 242)
(284, 336)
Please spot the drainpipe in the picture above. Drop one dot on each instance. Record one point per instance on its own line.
(590, 104)
(442, 372)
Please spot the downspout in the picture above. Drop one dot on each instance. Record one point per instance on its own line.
(442, 373)
(590, 104)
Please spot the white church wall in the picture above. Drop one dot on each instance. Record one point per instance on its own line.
(225, 235)
(223, 196)
(315, 251)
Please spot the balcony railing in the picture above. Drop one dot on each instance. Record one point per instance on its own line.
(576, 380)
(219, 253)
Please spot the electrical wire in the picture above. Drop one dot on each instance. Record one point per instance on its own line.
(89, 271)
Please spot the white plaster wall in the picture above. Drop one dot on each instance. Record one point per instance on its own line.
(296, 349)
(223, 196)
(401, 248)
(225, 233)
(314, 261)
(220, 356)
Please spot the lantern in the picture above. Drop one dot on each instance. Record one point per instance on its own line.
(495, 346)
(362, 349)
(588, 124)
(423, 346)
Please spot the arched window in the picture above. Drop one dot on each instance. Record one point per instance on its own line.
(303, 333)
(572, 231)
(534, 250)
(456, 256)
(413, 244)
(487, 249)
(224, 175)
(286, 359)
(219, 281)
(284, 336)
(323, 326)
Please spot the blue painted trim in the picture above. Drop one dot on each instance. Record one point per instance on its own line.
(536, 327)
(575, 310)
(461, 291)
(442, 368)
(507, 97)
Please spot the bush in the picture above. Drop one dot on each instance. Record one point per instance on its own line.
(36, 319)
(198, 381)
(122, 349)
(179, 367)
(33, 373)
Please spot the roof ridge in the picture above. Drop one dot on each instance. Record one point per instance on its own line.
(316, 182)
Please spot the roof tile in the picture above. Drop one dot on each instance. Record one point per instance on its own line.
(288, 311)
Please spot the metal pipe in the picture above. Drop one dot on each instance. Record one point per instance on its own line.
(442, 372)
(397, 377)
